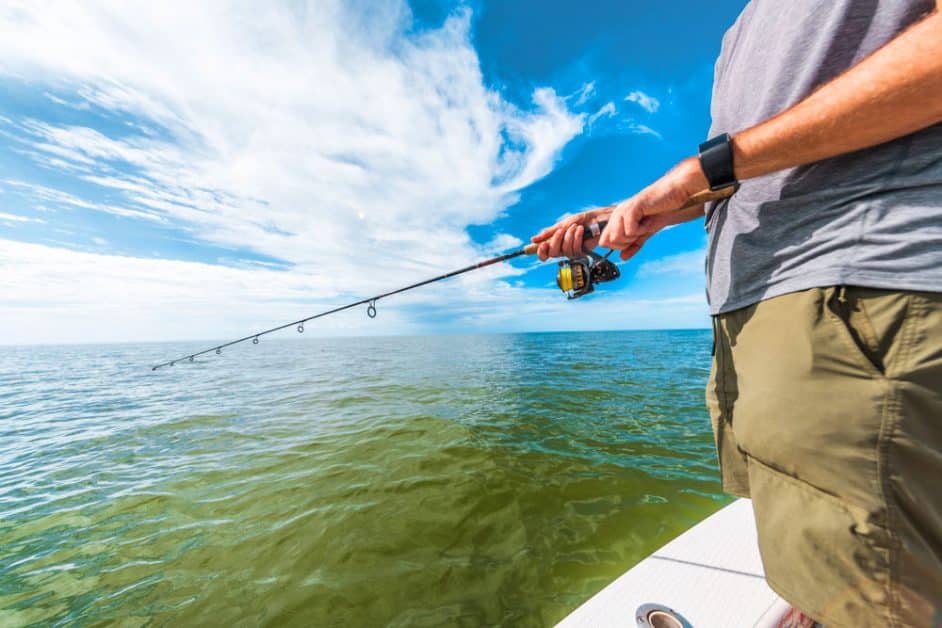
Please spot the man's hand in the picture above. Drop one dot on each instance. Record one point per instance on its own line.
(565, 237)
(635, 220)
(649, 225)
(632, 222)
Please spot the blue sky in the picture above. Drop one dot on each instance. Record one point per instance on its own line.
(168, 175)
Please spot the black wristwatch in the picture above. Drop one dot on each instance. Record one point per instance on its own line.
(716, 160)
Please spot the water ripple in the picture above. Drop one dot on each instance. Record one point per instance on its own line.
(486, 480)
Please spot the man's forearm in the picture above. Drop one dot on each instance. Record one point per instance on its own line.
(684, 215)
(895, 91)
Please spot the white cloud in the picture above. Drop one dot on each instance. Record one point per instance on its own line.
(5, 217)
(43, 194)
(585, 93)
(634, 127)
(92, 297)
(688, 263)
(304, 132)
(502, 242)
(645, 101)
(608, 110)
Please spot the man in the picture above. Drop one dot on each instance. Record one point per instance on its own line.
(824, 276)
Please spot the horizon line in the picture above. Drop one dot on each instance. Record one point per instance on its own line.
(349, 336)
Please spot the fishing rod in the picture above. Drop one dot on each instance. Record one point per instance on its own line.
(576, 277)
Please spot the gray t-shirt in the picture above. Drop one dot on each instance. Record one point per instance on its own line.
(870, 218)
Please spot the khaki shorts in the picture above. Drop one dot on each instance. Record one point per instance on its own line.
(827, 411)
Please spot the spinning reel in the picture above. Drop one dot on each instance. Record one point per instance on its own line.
(577, 277)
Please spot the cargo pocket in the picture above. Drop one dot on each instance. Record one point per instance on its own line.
(820, 553)
(848, 311)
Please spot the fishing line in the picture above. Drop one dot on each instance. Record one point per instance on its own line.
(580, 280)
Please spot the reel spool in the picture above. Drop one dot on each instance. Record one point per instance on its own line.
(577, 276)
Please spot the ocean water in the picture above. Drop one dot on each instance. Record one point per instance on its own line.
(430, 481)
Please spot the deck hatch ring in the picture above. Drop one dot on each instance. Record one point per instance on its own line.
(659, 616)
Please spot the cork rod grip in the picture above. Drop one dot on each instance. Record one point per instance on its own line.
(708, 195)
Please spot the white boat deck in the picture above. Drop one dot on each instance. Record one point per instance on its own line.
(711, 575)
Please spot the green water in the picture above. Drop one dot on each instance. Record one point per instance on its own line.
(438, 481)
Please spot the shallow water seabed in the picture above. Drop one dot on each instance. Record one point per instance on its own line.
(420, 481)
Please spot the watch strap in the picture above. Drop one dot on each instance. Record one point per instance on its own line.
(716, 160)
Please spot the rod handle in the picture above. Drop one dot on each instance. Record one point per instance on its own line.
(705, 196)
(592, 231)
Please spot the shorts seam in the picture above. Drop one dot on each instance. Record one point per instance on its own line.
(887, 425)
(721, 374)
(892, 410)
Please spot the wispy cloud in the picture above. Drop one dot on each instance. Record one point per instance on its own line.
(607, 110)
(584, 94)
(635, 127)
(645, 101)
(690, 262)
(5, 217)
(47, 198)
(502, 242)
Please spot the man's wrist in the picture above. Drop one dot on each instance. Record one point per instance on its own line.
(717, 163)
(694, 176)
(683, 215)
(599, 213)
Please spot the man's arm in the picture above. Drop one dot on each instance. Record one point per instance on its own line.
(895, 91)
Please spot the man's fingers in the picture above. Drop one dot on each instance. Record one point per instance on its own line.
(608, 233)
(550, 231)
(627, 226)
(567, 241)
(572, 242)
(606, 238)
(543, 235)
(622, 228)
(634, 247)
(560, 241)
(563, 224)
(577, 235)
(556, 243)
